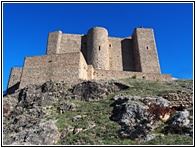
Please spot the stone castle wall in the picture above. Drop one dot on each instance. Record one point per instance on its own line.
(54, 42)
(96, 49)
(83, 68)
(145, 51)
(96, 56)
(115, 54)
(108, 74)
(39, 69)
(14, 79)
(121, 54)
(70, 43)
(59, 43)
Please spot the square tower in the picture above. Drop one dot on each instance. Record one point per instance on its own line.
(54, 41)
(145, 52)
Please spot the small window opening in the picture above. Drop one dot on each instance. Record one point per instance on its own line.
(49, 61)
(99, 47)
(146, 47)
(110, 45)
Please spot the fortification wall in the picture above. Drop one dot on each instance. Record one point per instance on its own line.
(90, 72)
(128, 58)
(96, 56)
(121, 54)
(83, 68)
(109, 74)
(145, 51)
(54, 41)
(115, 53)
(59, 43)
(14, 79)
(60, 67)
(97, 48)
(70, 43)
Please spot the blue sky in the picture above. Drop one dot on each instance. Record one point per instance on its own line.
(26, 27)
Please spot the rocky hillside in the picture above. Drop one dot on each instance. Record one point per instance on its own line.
(124, 112)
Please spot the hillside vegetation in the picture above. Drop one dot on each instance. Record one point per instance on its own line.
(100, 113)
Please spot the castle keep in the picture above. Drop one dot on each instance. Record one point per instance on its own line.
(73, 57)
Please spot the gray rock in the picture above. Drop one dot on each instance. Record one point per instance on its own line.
(162, 101)
(44, 133)
(148, 137)
(131, 112)
(9, 103)
(180, 124)
(181, 118)
(91, 90)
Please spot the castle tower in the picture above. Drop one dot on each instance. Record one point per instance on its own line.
(54, 40)
(145, 52)
(97, 48)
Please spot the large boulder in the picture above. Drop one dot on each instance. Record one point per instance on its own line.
(180, 124)
(92, 90)
(136, 115)
(139, 116)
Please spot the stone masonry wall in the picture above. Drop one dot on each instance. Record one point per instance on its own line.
(71, 57)
(14, 79)
(70, 43)
(54, 41)
(59, 43)
(115, 54)
(107, 75)
(110, 53)
(97, 48)
(60, 67)
(121, 56)
(83, 68)
(145, 51)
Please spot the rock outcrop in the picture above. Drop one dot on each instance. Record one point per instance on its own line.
(139, 116)
(30, 114)
(91, 90)
(25, 111)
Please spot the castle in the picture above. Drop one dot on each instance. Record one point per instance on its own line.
(73, 57)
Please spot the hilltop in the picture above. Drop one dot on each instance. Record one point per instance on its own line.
(124, 112)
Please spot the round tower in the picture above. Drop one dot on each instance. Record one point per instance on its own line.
(97, 48)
